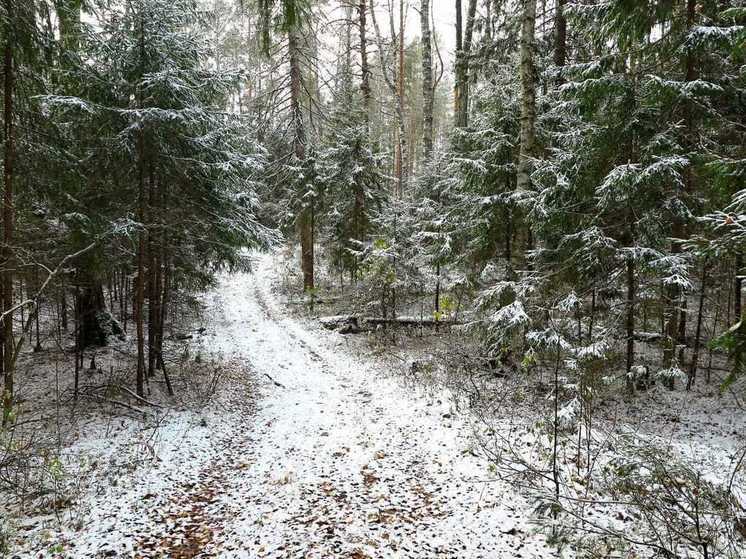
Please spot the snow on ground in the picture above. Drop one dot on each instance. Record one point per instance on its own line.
(336, 459)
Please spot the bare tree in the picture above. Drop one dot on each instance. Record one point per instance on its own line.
(396, 89)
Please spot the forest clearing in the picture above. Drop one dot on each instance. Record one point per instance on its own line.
(373, 279)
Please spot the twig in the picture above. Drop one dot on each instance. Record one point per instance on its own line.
(140, 398)
(118, 403)
(274, 381)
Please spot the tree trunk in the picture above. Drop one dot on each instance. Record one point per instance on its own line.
(631, 294)
(681, 332)
(305, 218)
(560, 35)
(672, 295)
(427, 109)
(152, 264)
(463, 52)
(737, 287)
(528, 96)
(63, 305)
(8, 215)
(593, 316)
(112, 292)
(400, 164)
(427, 81)
(459, 53)
(364, 68)
(158, 311)
(139, 302)
(124, 301)
(676, 310)
(164, 314)
(76, 315)
(90, 305)
(695, 351)
(555, 434)
(465, 63)
(68, 15)
(393, 85)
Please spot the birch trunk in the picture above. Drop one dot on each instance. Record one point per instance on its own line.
(528, 96)
(364, 68)
(427, 81)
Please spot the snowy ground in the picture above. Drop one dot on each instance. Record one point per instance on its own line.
(334, 459)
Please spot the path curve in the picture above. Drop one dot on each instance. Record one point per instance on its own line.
(345, 462)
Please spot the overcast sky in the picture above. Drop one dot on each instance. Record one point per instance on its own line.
(443, 15)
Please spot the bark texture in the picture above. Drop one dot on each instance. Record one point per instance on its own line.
(528, 95)
(427, 80)
(463, 53)
(8, 213)
(364, 67)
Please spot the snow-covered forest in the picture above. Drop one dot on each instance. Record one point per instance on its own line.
(373, 278)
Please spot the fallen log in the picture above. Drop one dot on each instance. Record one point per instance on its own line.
(352, 324)
(409, 321)
(315, 302)
(656, 337)
(339, 321)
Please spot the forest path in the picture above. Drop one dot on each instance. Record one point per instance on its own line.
(342, 462)
(317, 452)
